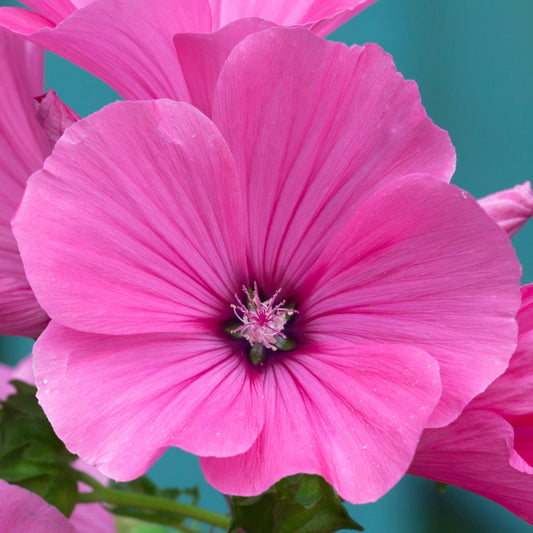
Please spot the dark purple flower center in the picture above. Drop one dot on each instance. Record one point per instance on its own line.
(261, 323)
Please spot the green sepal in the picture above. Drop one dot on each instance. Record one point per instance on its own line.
(296, 504)
(31, 455)
(441, 487)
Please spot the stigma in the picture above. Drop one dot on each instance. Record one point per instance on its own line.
(262, 321)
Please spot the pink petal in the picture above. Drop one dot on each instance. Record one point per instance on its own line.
(475, 453)
(120, 401)
(352, 414)
(202, 55)
(285, 13)
(6, 388)
(20, 314)
(511, 395)
(22, 371)
(54, 10)
(92, 518)
(126, 43)
(53, 115)
(23, 146)
(22, 511)
(421, 263)
(315, 128)
(130, 227)
(511, 208)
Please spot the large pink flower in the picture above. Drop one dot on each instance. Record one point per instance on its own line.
(128, 43)
(489, 449)
(321, 181)
(27, 135)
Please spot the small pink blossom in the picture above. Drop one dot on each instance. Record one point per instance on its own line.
(21, 511)
(321, 183)
(511, 208)
(86, 518)
(129, 43)
(489, 448)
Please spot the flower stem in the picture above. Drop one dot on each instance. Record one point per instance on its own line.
(143, 501)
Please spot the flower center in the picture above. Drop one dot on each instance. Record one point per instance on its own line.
(261, 323)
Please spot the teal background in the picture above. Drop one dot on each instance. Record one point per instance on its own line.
(473, 61)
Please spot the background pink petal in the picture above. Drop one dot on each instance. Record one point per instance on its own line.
(92, 518)
(352, 414)
(120, 401)
(511, 395)
(202, 55)
(22, 511)
(5, 377)
(475, 453)
(287, 13)
(511, 208)
(315, 128)
(54, 10)
(133, 225)
(23, 146)
(53, 115)
(421, 263)
(126, 43)
(87, 518)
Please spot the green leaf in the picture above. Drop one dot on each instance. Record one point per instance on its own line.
(441, 487)
(31, 455)
(296, 504)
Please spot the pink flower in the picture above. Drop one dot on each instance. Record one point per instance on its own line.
(511, 208)
(489, 449)
(24, 146)
(320, 179)
(129, 43)
(86, 518)
(22, 511)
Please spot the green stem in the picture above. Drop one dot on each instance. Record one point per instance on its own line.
(116, 497)
(155, 518)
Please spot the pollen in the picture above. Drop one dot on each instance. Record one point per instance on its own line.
(262, 322)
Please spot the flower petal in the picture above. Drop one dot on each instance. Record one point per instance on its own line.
(53, 115)
(511, 395)
(54, 10)
(131, 227)
(20, 313)
(352, 414)
(126, 43)
(119, 402)
(421, 263)
(323, 15)
(22, 511)
(92, 518)
(202, 55)
(315, 128)
(475, 453)
(511, 208)
(23, 146)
